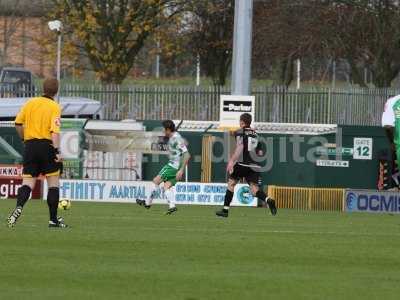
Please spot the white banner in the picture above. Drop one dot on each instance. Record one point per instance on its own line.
(232, 106)
(69, 144)
(128, 192)
(332, 163)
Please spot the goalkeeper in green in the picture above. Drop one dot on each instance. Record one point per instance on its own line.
(391, 123)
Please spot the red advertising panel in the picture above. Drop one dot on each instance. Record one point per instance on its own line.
(11, 180)
(9, 188)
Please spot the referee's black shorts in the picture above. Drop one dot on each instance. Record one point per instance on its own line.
(40, 159)
(250, 174)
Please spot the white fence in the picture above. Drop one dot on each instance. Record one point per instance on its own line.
(273, 104)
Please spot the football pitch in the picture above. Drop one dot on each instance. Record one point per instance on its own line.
(122, 251)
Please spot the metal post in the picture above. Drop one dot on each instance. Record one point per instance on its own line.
(334, 74)
(158, 60)
(298, 73)
(242, 45)
(58, 64)
(198, 71)
(59, 56)
(365, 75)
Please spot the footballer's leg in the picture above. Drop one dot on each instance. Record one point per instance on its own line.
(53, 197)
(154, 186)
(260, 194)
(30, 173)
(228, 198)
(24, 193)
(169, 188)
(234, 177)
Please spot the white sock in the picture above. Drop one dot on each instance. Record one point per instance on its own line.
(170, 194)
(152, 189)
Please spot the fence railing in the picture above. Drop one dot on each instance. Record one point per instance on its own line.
(356, 106)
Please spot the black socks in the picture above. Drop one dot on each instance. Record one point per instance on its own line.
(228, 198)
(261, 195)
(53, 197)
(24, 193)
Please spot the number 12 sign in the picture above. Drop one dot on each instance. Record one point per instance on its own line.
(362, 148)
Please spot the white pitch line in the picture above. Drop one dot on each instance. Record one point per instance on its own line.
(271, 231)
(225, 230)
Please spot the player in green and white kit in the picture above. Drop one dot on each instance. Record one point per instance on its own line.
(391, 123)
(173, 171)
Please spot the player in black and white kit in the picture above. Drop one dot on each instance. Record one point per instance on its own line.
(243, 164)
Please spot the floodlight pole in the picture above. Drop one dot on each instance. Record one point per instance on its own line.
(56, 25)
(242, 46)
(58, 56)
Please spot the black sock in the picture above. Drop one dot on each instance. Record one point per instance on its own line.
(261, 195)
(228, 199)
(23, 195)
(53, 196)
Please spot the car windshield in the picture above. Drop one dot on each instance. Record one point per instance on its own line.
(16, 77)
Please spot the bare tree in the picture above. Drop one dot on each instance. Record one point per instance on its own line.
(285, 30)
(211, 36)
(367, 34)
(9, 27)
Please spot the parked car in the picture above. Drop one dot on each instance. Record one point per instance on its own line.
(16, 82)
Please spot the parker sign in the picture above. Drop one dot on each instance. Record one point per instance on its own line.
(372, 201)
(232, 107)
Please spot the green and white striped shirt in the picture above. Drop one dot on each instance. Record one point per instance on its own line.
(177, 147)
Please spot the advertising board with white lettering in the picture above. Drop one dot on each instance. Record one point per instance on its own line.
(14, 171)
(9, 188)
(232, 106)
(332, 163)
(11, 181)
(372, 201)
(125, 191)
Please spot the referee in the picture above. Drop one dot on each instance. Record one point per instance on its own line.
(38, 125)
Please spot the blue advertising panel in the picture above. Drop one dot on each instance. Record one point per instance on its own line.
(372, 201)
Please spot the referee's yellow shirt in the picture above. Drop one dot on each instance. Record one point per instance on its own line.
(40, 117)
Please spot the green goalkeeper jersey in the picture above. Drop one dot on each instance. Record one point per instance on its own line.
(177, 147)
(391, 117)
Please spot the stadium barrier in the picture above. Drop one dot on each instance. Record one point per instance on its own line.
(327, 199)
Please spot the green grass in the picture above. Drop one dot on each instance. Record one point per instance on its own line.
(121, 251)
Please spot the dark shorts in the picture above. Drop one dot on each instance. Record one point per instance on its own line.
(251, 175)
(39, 159)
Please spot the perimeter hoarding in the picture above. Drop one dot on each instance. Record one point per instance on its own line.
(128, 192)
(11, 181)
(372, 201)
